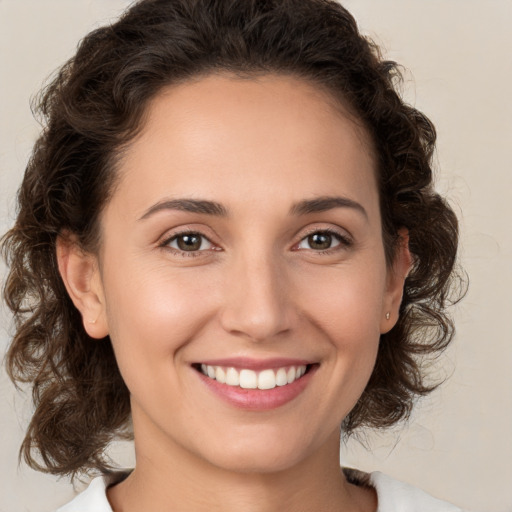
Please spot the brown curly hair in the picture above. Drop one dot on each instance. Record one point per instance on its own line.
(94, 107)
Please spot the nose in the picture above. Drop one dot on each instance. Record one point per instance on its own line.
(257, 300)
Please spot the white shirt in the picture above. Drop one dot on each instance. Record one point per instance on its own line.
(392, 496)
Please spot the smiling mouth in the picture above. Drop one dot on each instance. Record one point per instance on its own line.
(250, 379)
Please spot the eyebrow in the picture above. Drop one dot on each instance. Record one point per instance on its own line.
(203, 206)
(187, 205)
(322, 204)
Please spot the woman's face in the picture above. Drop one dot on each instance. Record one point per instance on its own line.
(244, 241)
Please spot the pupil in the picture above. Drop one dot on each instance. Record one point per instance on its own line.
(189, 242)
(320, 241)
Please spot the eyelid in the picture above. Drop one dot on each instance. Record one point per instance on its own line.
(165, 241)
(345, 239)
(197, 235)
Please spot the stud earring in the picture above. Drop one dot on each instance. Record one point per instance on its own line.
(387, 315)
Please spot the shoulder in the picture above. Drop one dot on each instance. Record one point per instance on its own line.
(94, 498)
(393, 495)
(396, 496)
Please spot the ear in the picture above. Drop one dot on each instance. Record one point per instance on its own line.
(80, 272)
(395, 282)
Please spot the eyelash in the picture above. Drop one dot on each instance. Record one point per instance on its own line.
(185, 254)
(344, 242)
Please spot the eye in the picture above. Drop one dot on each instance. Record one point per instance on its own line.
(322, 241)
(189, 242)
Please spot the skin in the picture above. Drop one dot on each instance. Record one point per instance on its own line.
(256, 288)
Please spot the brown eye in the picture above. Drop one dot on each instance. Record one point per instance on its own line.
(321, 241)
(190, 242)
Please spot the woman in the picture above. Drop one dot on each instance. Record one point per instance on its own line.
(227, 241)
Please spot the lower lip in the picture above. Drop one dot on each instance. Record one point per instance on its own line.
(258, 399)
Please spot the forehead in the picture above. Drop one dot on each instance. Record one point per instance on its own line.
(273, 99)
(234, 137)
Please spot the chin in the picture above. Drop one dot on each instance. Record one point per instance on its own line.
(256, 462)
(261, 453)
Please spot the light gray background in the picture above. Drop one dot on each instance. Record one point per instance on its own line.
(458, 445)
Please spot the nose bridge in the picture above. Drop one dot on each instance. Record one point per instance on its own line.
(256, 302)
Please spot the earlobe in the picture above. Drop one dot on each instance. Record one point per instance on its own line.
(395, 282)
(80, 274)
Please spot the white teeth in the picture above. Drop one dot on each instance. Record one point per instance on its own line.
(266, 379)
(220, 374)
(281, 379)
(232, 377)
(249, 379)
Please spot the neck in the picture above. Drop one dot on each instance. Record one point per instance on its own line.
(168, 478)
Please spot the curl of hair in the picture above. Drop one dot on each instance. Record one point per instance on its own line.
(94, 107)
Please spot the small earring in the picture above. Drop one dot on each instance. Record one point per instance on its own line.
(91, 321)
(387, 315)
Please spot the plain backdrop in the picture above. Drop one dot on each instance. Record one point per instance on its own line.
(457, 52)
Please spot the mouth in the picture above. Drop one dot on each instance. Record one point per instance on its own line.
(247, 378)
(256, 384)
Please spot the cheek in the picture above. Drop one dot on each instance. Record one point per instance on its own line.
(153, 313)
(345, 307)
(346, 301)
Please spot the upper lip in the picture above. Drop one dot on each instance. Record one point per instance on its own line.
(256, 364)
